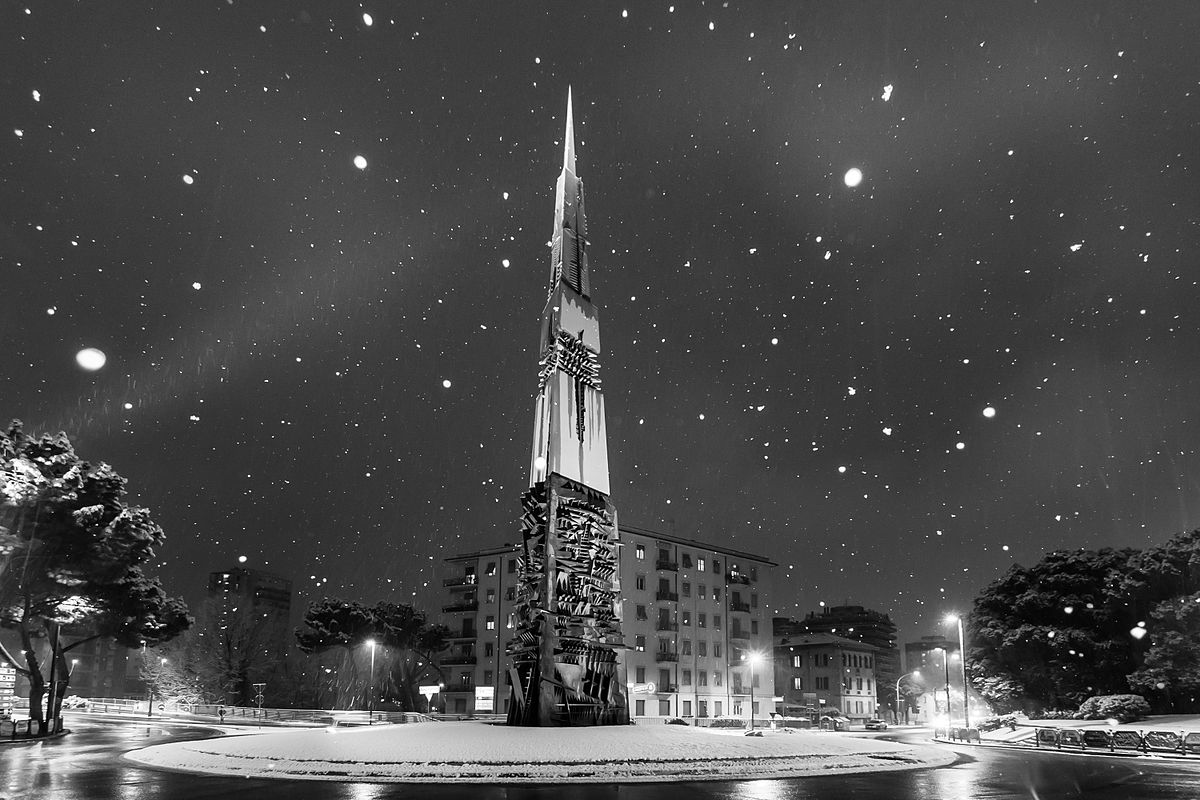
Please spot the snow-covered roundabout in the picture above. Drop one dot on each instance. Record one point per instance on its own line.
(472, 752)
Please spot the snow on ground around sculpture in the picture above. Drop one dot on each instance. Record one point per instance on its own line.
(482, 753)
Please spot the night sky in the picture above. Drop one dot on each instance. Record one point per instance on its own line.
(311, 241)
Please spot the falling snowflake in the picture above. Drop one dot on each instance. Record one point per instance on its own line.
(188, 180)
(887, 93)
(360, 162)
(368, 20)
(446, 384)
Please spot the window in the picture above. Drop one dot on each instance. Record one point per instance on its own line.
(716, 649)
(717, 621)
(490, 569)
(754, 574)
(702, 705)
(687, 677)
(699, 565)
(664, 554)
(639, 552)
(701, 648)
(716, 678)
(510, 622)
(868, 684)
(664, 708)
(640, 612)
(687, 708)
(664, 646)
(489, 650)
(701, 620)
(702, 680)
(512, 566)
(717, 708)
(685, 647)
(822, 682)
(701, 590)
(640, 582)
(487, 677)
(491, 596)
(640, 674)
(639, 643)
(640, 708)
(491, 623)
(716, 567)
(754, 599)
(717, 594)
(858, 684)
(687, 560)
(797, 661)
(664, 679)
(798, 684)
(685, 618)
(510, 593)
(685, 588)
(753, 627)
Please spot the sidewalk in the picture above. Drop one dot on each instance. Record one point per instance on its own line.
(1156, 735)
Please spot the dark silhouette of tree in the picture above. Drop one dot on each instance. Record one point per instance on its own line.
(1170, 673)
(1059, 629)
(71, 553)
(406, 647)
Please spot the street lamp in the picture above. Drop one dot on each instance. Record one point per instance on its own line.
(752, 658)
(371, 686)
(962, 654)
(946, 664)
(916, 673)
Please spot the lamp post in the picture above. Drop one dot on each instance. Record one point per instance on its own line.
(946, 664)
(371, 686)
(752, 658)
(916, 673)
(962, 655)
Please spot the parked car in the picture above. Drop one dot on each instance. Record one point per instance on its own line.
(876, 725)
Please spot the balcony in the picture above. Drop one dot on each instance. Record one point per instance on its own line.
(663, 656)
(666, 626)
(464, 634)
(735, 605)
(462, 580)
(668, 689)
(458, 661)
(671, 566)
(462, 605)
(737, 577)
(458, 687)
(672, 597)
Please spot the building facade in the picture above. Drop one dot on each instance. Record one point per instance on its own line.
(819, 672)
(691, 613)
(935, 658)
(869, 627)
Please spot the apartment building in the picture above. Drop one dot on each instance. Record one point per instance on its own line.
(692, 613)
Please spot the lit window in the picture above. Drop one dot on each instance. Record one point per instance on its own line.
(640, 552)
(491, 623)
(699, 565)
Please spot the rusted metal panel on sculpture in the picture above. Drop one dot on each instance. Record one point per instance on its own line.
(583, 459)
(576, 314)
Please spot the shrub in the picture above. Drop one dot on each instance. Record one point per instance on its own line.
(1055, 714)
(1121, 707)
(727, 722)
(676, 721)
(996, 723)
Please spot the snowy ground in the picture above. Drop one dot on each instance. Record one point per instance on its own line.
(472, 752)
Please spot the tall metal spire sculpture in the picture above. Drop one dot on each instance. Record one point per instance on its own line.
(564, 651)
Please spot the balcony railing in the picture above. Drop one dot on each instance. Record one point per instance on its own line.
(464, 605)
(464, 634)
(666, 626)
(458, 687)
(461, 580)
(737, 577)
(457, 661)
(668, 689)
(663, 655)
(662, 563)
(669, 596)
(735, 605)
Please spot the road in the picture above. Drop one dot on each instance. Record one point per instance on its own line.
(86, 766)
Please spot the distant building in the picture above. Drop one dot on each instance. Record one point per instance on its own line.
(816, 672)
(934, 657)
(869, 627)
(254, 592)
(690, 614)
